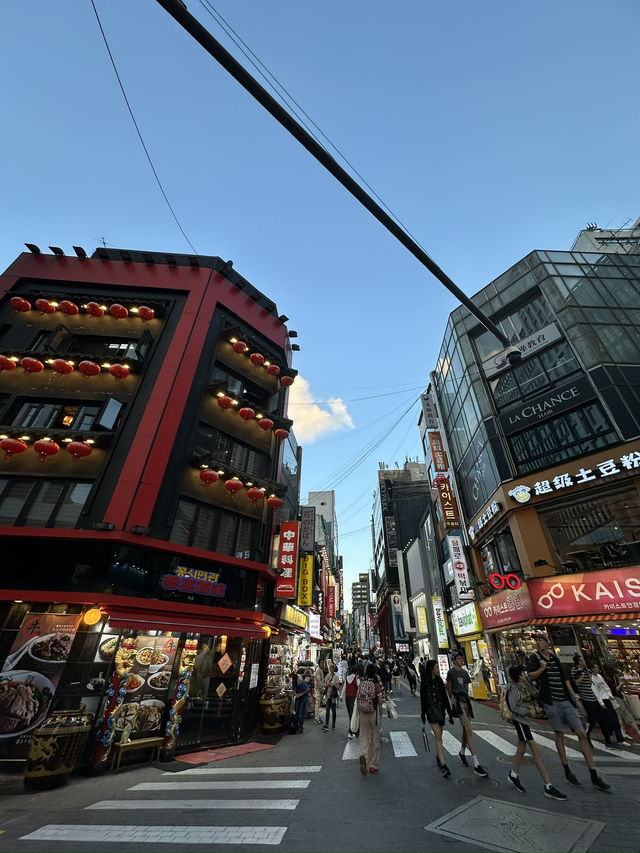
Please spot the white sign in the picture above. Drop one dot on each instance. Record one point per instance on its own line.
(529, 346)
(466, 620)
(253, 678)
(441, 628)
(460, 569)
(314, 626)
(494, 509)
(443, 666)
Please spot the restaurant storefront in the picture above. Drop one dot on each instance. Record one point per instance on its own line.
(467, 626)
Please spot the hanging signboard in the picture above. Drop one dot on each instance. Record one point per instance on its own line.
(438, 453)
(307, 528)
(331, 603)
(460, 569)
(448, 503)
(305, 581)
(287, 559)
(441, 627)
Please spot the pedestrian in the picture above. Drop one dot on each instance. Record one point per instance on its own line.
(343, 669)
(318, 687)
(412, 676)
(458, 681)
(349, 693)
(521, 713)
(610, 721)
(331, 690)
(301, 694)
(616, 682)
(582, 679)
(434, 704)
(369, 697)
(559, 703)
(396, 674)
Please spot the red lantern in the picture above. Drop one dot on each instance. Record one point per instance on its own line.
(274, 502)
(11, 446)
(240, 347)
(45, 448)
(61, 367)
(69, 308)
(20, 304)
(95, 310)
(255, 494)
(119, 371)
(78, 449)
(225, 402)
(6, 363)
(281, 434)
(233, 486)
(266, 424)
(286, 381)
(246, 413)
(273, 369)
(208, 477)
(31, 365)
(89, 368)
(44, 306)
(146, 313)
(256, 358)
(118, 311)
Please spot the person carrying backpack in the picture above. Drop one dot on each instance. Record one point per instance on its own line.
(369, 697)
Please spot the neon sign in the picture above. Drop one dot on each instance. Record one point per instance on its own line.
(509, 581)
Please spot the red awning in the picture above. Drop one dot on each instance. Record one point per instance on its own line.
(128, 621)
(572, 620)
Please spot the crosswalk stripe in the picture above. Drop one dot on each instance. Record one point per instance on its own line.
(451, 743)
(402, 746)
(551, 744)
(174, 835)
(625, 756)
(232, 771)
(194, 805)
(245, 785)
(351, 749)
(495, 740)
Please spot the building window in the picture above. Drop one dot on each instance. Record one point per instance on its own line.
(574, 434)
(33, 414)
(596, 533)
(43, 503)
(248, 391)
(231, 453)
(212, 529)
(536, 372)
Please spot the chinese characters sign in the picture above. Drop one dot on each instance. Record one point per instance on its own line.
(607, 468)
(307, 528)
(448, 503)
(287, 559)
(438, 453)
(305, 582)
(191, 585)
(460, 569)
(485, 518)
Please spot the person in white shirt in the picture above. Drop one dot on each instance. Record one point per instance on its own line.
(609, 722)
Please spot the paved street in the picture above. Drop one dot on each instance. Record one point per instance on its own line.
(307, 794)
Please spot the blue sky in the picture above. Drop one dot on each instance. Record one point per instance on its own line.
(490, 129)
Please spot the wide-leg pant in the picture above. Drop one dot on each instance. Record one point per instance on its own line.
(370, 737)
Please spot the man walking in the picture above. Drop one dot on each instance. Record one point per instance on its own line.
(318, 687)
(332, 687)
(559, 702)
(458, 680)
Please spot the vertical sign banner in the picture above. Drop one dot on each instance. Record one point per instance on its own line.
(441, 627)
(305, 581)
(330, 604)
(448, 503)
(287, 560)
(421, 614)
(440, 462)
(307, 528)
(314, 625)
(460, 569)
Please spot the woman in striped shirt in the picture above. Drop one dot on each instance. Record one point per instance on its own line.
(582, 679)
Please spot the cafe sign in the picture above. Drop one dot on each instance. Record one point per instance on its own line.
(466, 620)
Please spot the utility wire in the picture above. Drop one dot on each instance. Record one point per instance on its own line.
(135, 124)
(295, 107)
(355, 399)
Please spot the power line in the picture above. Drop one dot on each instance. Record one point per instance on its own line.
(135, 124)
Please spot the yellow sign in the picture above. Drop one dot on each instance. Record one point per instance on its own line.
(305, 582)
(294, 616)
(421, 613)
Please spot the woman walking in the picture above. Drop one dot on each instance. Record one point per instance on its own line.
(434, 704)
(582, 679)
(349, 693)
(369, 698)
(610, 723)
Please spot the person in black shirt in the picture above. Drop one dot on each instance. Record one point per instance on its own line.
(434, 704)
(559, 702)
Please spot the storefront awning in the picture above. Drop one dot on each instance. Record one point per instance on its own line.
(127, 621)
(598, 617)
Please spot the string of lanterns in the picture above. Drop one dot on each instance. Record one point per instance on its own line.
(247, 414)
(45, 447)
(234, 485)
(70, 309)
(63, 367)
(258, 360)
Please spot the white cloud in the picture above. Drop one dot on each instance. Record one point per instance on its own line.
(310, 422)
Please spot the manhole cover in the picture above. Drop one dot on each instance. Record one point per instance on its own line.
(479, 783)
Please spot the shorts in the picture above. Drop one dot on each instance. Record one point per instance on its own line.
(563, 713)
(523, 731)
(463, 716)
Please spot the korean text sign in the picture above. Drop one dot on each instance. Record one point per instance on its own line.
(287, 559)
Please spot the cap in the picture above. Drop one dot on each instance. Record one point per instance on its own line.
(540, 634)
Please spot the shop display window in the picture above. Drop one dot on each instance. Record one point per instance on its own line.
(601, 532)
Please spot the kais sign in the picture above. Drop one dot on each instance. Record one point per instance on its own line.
(611, 591)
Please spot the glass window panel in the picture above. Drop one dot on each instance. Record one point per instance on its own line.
(618, 344)
(245, 535)
(183, 523)
(14, 500)
(72, 504)
(226, 535)
(203, 533)
(42, 508)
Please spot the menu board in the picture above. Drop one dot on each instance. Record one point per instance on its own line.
(30, 676)
(147, 688)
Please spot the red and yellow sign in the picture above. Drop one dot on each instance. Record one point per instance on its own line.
(287, 559)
